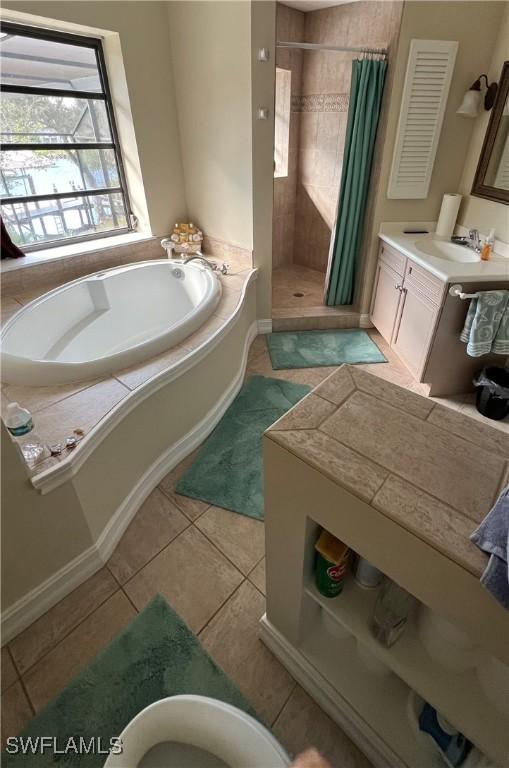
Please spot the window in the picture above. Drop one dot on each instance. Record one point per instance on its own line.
(282, 121)
(61, 174)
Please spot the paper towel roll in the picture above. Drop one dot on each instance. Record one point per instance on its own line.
(448, 215)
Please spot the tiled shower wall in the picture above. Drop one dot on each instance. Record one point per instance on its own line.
(320, 110)
(290, 28)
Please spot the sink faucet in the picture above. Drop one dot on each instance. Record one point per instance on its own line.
(473, 240)
(214, 267)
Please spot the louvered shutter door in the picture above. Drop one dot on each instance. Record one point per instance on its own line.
(427, 82)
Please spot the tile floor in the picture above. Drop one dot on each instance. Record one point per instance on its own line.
(287, 281)
(222, 602)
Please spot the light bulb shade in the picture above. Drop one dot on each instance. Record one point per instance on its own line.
(470, 105)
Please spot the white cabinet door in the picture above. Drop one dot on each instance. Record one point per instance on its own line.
(386, 299)
(414, 330)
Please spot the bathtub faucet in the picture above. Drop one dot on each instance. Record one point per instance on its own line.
(214, 267)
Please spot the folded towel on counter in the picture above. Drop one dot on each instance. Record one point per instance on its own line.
(487, 324)
(492, 537)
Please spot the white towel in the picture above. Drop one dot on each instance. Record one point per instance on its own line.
(487, 324)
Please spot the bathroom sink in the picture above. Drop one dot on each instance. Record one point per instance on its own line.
(441, 249)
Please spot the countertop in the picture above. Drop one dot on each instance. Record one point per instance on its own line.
(497, 268)
(434, 471)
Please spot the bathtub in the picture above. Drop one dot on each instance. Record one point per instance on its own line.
(107, 321)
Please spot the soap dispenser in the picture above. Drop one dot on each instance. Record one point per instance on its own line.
(487, 248)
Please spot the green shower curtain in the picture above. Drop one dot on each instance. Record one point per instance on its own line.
(368, 76)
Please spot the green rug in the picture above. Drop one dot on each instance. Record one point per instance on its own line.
(154, 657)
(316, 349)
(228, 470)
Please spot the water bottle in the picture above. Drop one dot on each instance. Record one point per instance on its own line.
(20, 424)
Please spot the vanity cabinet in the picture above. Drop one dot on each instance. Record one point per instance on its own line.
(418, 312)
(406, 307)
(421, 321)
(386, 300)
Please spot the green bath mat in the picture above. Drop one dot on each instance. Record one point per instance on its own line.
(228, 470)
(154, 657)
(316, 349)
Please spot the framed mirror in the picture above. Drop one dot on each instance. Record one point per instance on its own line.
(491, 179)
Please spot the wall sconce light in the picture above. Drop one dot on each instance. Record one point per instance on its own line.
(471, 103)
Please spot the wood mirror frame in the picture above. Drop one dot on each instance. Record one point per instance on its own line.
(479, 187)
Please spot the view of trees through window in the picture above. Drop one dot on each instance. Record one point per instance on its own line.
(60, 169)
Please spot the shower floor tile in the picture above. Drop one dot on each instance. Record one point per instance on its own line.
(296, 287)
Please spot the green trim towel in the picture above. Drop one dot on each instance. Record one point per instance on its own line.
(487, 324)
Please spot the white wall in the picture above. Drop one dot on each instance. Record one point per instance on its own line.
(144, 41)
(40, 534)
(263, 35)
(476, 212)
(211, 54)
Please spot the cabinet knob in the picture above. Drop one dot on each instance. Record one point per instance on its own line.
(398, 287)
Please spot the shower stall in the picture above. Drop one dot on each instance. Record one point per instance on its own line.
(313, 70)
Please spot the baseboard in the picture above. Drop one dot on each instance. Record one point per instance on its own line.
(365, 321)
(39, 600)
(114, 530)
(360, 732)
(265, 326)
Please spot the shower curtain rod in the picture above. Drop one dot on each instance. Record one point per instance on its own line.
(324, 47)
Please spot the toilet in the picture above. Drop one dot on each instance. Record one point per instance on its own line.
(196, 732)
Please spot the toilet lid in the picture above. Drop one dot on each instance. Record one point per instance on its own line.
(209, 724)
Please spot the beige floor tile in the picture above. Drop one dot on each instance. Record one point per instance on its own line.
(84, 410)
(191, 574)
(155, 524)
(57, 668)
(45, 633)
(295, 279)
(310, 376)
(232, 639)
(257, 576)
(302, 724)
(240, 538)
(8, 670)
(192, 508)
(469, 409)
(258, 346)
(16, 711)
(260, 365)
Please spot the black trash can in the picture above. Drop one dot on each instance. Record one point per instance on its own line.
(492, 397)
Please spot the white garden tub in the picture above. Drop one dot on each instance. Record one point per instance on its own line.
(107, 321)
